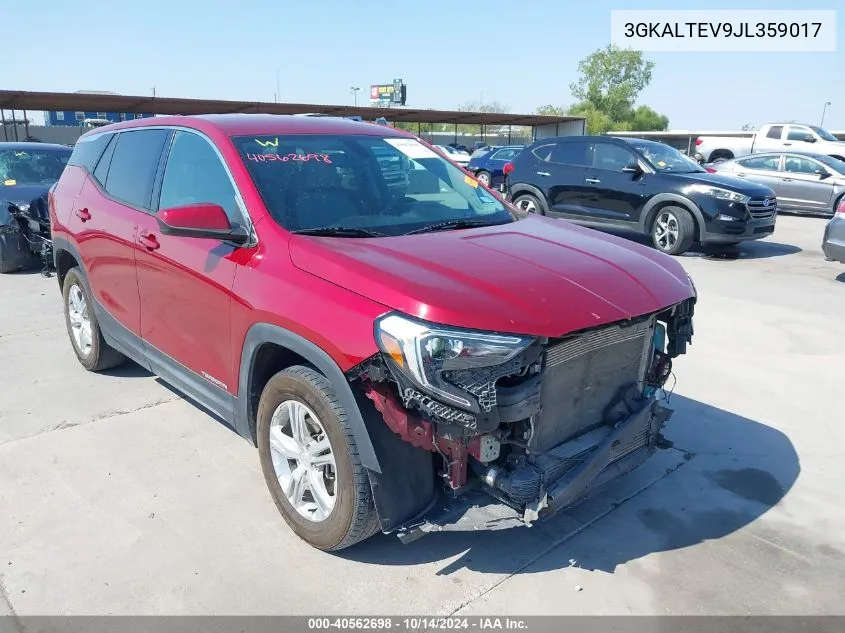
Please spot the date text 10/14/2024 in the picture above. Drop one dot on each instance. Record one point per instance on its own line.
(722, 29)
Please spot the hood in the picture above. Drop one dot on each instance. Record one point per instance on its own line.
(23, 194)
(536, 276)
(734, 183)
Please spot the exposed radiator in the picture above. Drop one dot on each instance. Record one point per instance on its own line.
(584, 375)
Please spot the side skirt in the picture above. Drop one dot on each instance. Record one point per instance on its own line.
(190, 384)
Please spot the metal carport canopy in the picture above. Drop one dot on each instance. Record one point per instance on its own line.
(91, 102)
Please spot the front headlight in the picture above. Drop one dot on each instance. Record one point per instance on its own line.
(718, 192)
(424, 352)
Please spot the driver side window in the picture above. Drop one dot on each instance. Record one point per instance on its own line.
(797, 133)
(612, 157)
(194, 174)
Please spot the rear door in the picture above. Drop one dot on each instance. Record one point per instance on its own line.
(185, 283)
(563, 176)
(613, 195)
(104, 220)
(770, 141)
(804, 185)
(760, 169)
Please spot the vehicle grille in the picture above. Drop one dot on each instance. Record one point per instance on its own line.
(762, 207)
(584, 375)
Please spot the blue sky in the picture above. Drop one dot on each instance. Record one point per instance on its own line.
(523, 54)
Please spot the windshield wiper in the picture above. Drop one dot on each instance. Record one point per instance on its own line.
(453, 224)
(339, 231)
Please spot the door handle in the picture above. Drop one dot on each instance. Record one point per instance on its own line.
(543, 173)
(786, 179)
(148, 240)
(83, 214)
(785, 143)
(593, 181)
(740, 174)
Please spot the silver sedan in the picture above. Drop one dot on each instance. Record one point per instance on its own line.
(803, 182)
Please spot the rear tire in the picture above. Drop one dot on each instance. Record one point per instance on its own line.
(528, 203)
(332, 508)
(91, 349)
(673, 230)
(484, 177)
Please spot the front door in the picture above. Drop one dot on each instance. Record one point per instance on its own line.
(613, 195)
(796, 139)
(804, 185)
(185, 283)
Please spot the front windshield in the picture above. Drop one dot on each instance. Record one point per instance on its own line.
(386, 185)
(823, 134)
(32, 167)
(665, 158)
(834, 163)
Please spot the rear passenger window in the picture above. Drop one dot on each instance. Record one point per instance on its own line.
(102, 169)
(194, 173)
(88, 150)
(134, 165)
(571, 153)
(543, 152)
(774, 132)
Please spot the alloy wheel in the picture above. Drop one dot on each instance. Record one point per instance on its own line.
(80, 320)
(666, 230)
(303, 460)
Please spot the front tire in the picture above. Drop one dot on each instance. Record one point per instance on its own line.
(673, 230)
(310, 461)
(91, 349)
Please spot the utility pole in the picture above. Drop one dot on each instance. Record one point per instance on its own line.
(354, 90)
(154, 91)
(824, 109)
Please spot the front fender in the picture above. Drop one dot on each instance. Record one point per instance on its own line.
(260, 333)
(651, 207)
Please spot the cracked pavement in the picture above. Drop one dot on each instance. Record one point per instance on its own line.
(117, 496)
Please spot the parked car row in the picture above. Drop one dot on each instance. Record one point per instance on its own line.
(772, 137)
(803, 182)
(642, 186)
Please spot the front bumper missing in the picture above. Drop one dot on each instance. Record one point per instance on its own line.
(603, 455)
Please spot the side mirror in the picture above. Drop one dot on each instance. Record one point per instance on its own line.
(203, 220)
(632, 168)
(823, 173)
(809, 138)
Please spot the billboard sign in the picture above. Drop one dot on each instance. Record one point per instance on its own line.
(386, 95)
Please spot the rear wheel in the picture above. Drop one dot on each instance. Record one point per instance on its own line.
(528, 203)
(310, 461)
(484, 177)
(673, 230)
(91, 349)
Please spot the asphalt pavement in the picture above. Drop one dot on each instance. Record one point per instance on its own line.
(117, 496)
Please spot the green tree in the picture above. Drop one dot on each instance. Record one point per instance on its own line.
(645, 119)
(612, 79)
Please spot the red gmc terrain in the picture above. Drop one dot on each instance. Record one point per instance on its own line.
(399, 343)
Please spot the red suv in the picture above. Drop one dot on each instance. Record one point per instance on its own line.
(393, 337)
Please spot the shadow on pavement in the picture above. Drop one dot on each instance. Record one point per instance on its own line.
(730, 472)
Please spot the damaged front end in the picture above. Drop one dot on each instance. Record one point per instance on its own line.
(536, 423)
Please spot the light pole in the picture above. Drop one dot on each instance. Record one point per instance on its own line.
(824, 109)
(354, 90)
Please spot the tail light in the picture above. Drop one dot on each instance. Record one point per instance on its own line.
(840, 211)
(698, 142)
(710, 170)
(507, 169)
